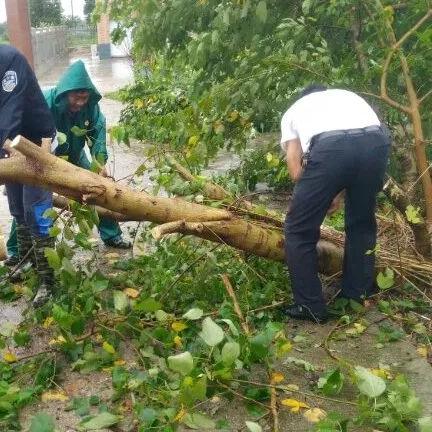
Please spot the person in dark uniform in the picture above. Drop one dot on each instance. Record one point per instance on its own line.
(333, 142)
(24, 111)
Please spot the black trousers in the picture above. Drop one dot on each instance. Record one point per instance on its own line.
(354, 161)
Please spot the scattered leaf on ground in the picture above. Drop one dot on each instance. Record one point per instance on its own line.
(100, 421)
(131, 292)
(49, 396)
(294, 404)
(211, 333)
(314, 415)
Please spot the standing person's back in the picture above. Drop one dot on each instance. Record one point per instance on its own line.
(334, 142)
(24, 111)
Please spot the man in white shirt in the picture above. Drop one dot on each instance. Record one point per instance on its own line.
(334, 142)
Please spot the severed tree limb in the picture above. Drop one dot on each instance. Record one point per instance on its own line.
(38, 168)
(46, 170)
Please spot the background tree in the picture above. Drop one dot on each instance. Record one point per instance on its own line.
(89, 7)
(45, 13)
(3, 32)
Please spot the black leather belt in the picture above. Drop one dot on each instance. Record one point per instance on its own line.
(349, 132)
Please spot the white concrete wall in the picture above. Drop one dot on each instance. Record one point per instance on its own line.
(49, 44)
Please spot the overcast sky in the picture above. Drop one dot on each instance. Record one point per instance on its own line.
(78, 6)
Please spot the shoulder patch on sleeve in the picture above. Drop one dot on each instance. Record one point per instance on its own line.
(9, 81)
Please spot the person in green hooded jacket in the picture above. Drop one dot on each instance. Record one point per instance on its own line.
(74, 104)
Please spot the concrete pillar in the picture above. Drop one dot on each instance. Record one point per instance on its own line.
(104, 37)
(19, 29)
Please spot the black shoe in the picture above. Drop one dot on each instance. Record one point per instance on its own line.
(11, 261)
(118, 243)
(303, 312)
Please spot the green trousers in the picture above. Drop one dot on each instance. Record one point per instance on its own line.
(108, 229)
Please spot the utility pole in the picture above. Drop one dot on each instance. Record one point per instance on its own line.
(19, 28)
(72, 11)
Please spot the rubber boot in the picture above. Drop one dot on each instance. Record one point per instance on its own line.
(44, 271)
(25, 243)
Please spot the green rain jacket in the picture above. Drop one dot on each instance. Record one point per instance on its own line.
(86, 126)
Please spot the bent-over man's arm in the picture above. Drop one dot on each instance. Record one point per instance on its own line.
(294, 154)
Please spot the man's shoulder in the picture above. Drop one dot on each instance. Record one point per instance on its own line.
(8, 52)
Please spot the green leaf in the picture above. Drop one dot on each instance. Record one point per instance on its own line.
(211, 333)
(100, 421)
(425, 424)
(147, 416)
(231, 326)
(81, 406)
(261, 11)
(50, 214)
(230, 353)
(42, 423)
(120, 301)
(78, 132)
(193, 314)
(54, 231)
(193, 390)
(253, 427)
(53, 258)
(61, 138)
(21, 338)
(368, 383)
(182, 363)
(331, 383)
(198, 421)
(306, 6)
(385, 280)
(388, 333)
(308, 367)
(413, 214)
(148, 305)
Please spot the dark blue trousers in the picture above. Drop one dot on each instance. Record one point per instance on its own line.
(27, 204)
(354, 161)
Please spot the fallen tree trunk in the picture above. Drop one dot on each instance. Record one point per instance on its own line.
(30, 165)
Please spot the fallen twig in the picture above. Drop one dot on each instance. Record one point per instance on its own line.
(231, 293)
(285, 389)
(273, 407)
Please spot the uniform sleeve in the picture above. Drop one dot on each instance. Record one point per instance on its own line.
(98, 136)
(13, 91)
(288, 131)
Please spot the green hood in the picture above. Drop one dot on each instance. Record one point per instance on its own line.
(76, 78)
(90, 118)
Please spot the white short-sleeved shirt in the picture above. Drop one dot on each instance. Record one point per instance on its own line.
(325, 111)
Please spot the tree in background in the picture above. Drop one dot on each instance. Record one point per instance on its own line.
(3, 32)
(89, 7)
(45, 12)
